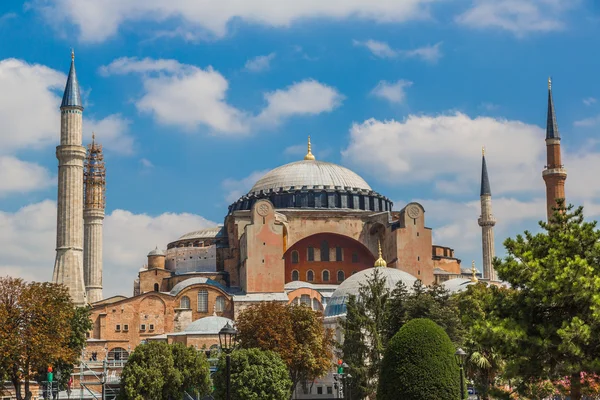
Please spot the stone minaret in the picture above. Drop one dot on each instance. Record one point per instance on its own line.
(93, 216)
(554, 173)
(68, 268)
(486, 222)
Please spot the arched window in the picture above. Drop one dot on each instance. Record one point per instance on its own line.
(315, 304)
(341, 276)
(296, 301)
(310, 276)
(310, 256)
(220, 305)
(305, 299)
(324, 251)
(156, 287)
(295, 257)
(325, 276)
(118, 354)
(203, 300)
(184, 302)
(295, 275)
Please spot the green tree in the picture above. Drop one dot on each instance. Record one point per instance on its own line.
(419, 364)
(547, 326)
(255, 375)
(36, 330)
(296, 333)
(433, 302)
(157, 370)
(364, 334)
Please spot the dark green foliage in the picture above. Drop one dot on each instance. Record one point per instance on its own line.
(157, 370)
(364, 333)
(547, 327)
(255, 375)
(434, 303)
(419, 364)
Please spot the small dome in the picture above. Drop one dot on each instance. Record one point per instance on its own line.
(207, 233)
(194, 281)
(208, 325)
(337, 303)
(156, 252)
(309, 173)
(457, 284)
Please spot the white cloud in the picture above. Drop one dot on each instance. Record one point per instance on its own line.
(97, 21)
(7, 17)
(307, 97)
(392, 92)
(517, 16)
(127, 239)
(111, 132)
(259, 63)
(18, 176)
(589, 101)
(588, 122)
(236, 188)
(445, 150)
(145, 163)
(429, 53)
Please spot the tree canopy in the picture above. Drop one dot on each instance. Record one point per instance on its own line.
(39, 327)
(157, 370)
(296, 333)
(419, 364)
(255, 375)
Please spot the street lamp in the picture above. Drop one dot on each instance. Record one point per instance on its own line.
(460, 356)
(227, 336)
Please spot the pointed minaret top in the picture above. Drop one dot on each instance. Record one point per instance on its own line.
(551, 125)
(485, 182)
(71, 97)
(473, 272)
(380, 262)
(309, 155)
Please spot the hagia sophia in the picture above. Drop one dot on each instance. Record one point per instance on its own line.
(307, 232)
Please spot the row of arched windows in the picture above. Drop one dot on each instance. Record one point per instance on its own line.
(203, 302)
(306, 300)
(325, 277)
(324, 253)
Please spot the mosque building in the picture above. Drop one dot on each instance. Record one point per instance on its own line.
(308, 232)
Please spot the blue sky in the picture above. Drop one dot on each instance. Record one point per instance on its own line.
(193, 101)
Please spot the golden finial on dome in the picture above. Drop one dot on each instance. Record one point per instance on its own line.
(309, 155)
(380, 262)
(473, 272)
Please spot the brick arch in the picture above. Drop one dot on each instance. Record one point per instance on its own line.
(349, 248)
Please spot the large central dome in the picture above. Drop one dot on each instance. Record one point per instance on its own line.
(310, 174)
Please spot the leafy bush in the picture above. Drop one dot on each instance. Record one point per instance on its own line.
(419, 364)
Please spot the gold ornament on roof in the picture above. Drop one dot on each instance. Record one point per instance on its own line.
(380, 262)
(473, 272)
(72, 54)
(309, 155)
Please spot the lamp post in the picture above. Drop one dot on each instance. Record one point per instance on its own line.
(460, 356)
(227, 337)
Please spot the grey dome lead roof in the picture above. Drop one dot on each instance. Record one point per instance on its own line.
(71, 96)
(310, 174)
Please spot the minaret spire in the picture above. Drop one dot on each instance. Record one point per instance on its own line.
(486, 222)
(554, 173)
(309, 155)
(68, 267)
(93, 217)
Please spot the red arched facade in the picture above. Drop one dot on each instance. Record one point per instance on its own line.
(326, 255)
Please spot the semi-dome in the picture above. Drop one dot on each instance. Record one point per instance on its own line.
(310, 184)
(310, 174)
(206, 233)
(457, 284)
(337, 303)
(208, 325)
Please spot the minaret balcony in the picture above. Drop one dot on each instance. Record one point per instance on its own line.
(489, 221)
(558, 170)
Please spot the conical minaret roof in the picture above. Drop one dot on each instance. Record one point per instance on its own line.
(485, 181)
(72, 97)
(551, 125)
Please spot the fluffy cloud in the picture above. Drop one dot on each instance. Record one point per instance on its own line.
(429, 53)
(18, 176)
(307, 97)
(588, 122)
(111, 132)
(446, 151)
(392, 92)
(128, 237)
(236, 188)
(97, 21)
(190, 97)
(517, 16)
(589, 101)
(259, 63)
